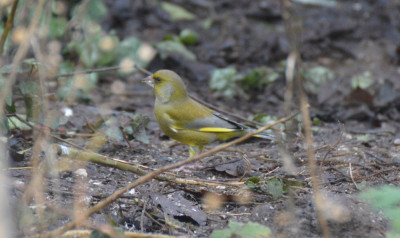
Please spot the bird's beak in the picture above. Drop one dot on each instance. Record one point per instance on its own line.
(149, 81)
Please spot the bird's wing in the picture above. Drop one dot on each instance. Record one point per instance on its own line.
(202, 119)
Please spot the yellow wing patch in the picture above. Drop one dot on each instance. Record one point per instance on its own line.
(175, 128)
(216, 129)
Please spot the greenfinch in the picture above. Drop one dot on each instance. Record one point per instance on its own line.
(184, 119)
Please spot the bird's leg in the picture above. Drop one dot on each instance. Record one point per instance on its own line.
(193, 151)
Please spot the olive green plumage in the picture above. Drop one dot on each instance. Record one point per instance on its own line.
(186, 120)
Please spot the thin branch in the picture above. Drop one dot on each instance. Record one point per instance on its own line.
(90, 156)
(293, 30)
(331, 148)
(87, 233)
(147, 177)
(112, 68)
(351, 176)
(312, 161)
(86, 155)
(8, 26)
(105, 69)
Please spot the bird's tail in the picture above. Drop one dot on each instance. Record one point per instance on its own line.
(265, 136)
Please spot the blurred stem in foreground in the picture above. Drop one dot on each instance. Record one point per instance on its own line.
(293, 30)
(8, 25)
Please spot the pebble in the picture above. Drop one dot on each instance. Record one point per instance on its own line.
(397, 141)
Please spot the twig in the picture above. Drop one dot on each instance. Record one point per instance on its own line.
(351, 176)
(113, 68)
(248, 167)
(151, 175)
(105, 69)
(147, 199)
(312, 161)
(87, 233)
(330, 148)
(8, 26)
(91, 156)
(293, 29)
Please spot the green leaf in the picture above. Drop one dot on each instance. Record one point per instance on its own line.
(382, 197)
(316, 121)
(15, 123)
(264, 118)
(96, 10)
(275, 188)
(387, 199)
(253, 182)
(223, 81)
(129, 47)
(89, 53)
(365, 138)
(363, 81)
(207, 23)
(176, 12)
(11, 108)
(317, 77)
(290, 183)
(188, 37)
(259, 77)
(139, 128)
(112, 130)
(168, 47)
(98, 234)
(242, 230)
(66, 67)
(58, 26)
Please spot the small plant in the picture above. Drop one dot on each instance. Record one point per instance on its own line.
(242, 230)
(387, 199)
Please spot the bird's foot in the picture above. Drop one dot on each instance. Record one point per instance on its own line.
(189, 168)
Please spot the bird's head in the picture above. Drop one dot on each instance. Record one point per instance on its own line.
(168, 86)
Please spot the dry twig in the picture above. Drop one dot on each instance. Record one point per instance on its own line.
(8, 25)
(151, 175)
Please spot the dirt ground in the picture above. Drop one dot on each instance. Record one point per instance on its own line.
(356, 143)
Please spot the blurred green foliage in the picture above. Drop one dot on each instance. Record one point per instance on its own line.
(316, 77)
(275, 188)
(166, 48)
(242, 230)
(72, 32)
(177, 12)
(176, 44)
(387, 199)
(188, 37)
(229, 83)
(363, 81)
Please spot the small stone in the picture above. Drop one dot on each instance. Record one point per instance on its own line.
(81, 172)
(397, 141)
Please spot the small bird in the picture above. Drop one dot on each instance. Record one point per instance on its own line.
(186, 120)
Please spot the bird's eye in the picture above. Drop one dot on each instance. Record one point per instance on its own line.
(157, 79)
